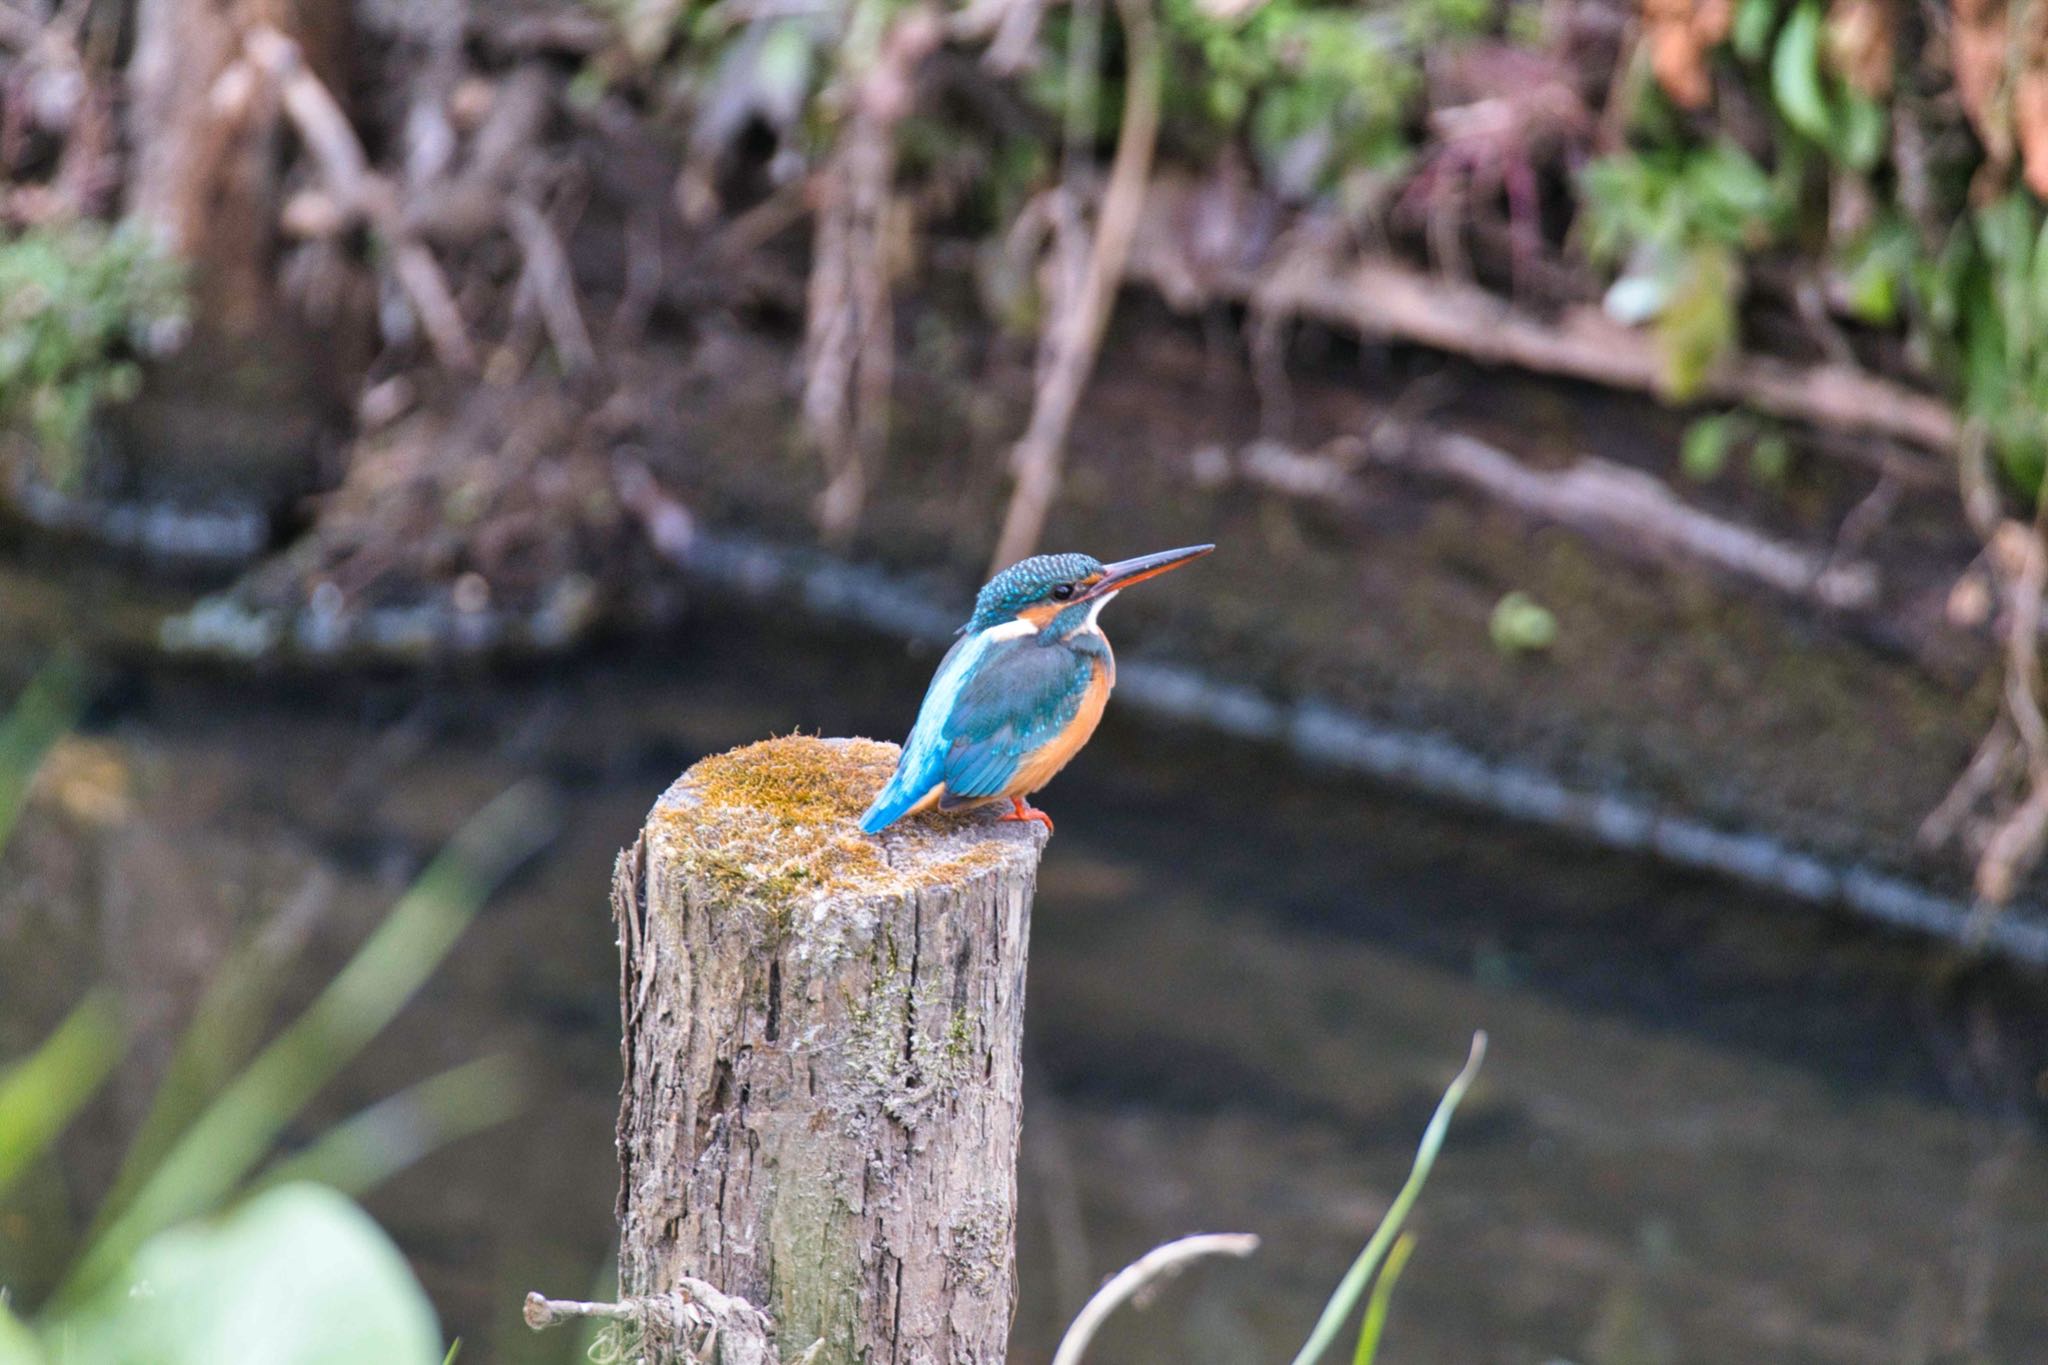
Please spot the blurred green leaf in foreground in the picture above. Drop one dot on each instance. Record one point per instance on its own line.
(207, 1249)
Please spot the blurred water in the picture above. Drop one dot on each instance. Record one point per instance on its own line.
(1713, 1126)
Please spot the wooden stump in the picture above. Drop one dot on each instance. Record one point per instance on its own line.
(823, 1057)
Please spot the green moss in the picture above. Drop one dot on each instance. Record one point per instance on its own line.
(776, 824)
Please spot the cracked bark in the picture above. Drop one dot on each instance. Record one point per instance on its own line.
(822, 1096)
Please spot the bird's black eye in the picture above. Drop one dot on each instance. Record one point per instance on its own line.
(1063, 592)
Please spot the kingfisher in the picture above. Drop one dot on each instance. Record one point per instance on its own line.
(1020, 692)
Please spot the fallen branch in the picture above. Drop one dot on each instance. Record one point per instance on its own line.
(1635, 507)
(1157, 1265)
(1080, 320)
(1613, 502)
(1375, 297)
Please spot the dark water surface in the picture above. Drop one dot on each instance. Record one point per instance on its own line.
(1713, 1126)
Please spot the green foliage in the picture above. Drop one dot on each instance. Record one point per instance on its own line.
(40, 1095)
(1849, 126)
(1770, 459)
(1521, 625)
(1680, 219)
(1711, 194)
(1374, 1324)
(292, 1272)
(1353, 1286)
(298, 1275)
(1986, 301)
(1711, 440)
(1703, 453)
(1323, 89)
(80, 306)
(232, 1135)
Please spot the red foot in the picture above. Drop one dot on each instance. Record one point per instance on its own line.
(1020, 809)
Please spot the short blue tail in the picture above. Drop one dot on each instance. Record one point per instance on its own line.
(892, 802)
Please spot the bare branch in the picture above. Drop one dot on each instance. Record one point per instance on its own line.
(1622, 506)
(704, 1321)
(357, 190)
(547, 266)
(1372, 296)
(1160, 1263)
(420, 275)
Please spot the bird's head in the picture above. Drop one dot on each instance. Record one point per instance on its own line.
(1071, 587)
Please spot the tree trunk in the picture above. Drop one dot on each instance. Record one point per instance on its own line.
(823, 1057)
(238, 415)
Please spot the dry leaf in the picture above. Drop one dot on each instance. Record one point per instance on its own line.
(1681, 33)
(1863, 43)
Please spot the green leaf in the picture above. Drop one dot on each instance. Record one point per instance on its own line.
(1522, 625)
(1795, 75)
(1697, 328)
(1374, 1324)
(1754, 20)
(1770, 459)
(17, 1343)
(40, 1095)
(362, 1152)
(1860, 131)
(1338, 1310)
(297, 1276)
(1704, 452)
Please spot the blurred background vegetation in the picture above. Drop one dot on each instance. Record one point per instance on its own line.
(1625, 424)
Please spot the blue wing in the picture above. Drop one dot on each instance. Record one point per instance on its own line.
(991, 704)
(1023, 694)
(921, 765)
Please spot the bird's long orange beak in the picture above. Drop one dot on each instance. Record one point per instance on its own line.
(1120, 575)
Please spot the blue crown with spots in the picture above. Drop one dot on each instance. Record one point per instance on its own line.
(1025, 582)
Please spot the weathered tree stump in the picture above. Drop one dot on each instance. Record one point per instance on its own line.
(823, 1057)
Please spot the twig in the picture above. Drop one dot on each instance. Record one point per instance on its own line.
(317, 116)
(547, 265)
(542, 1313)
(1081, 320)
(698, 1317)
(1160, 1263)
(359, 191)
(1979, 778)
(420, 276)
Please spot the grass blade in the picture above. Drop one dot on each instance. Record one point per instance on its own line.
(1352, 1286)
(46, 709)
(40, 1094)
(227, 1141)
(224, 1031)
(362, 1152)
(1375, 1322)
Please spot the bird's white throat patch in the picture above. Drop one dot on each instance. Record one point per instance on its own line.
(1011, 630)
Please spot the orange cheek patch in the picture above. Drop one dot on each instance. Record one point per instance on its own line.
(1041, 615)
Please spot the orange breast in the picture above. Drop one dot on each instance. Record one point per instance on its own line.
(1040, 767)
